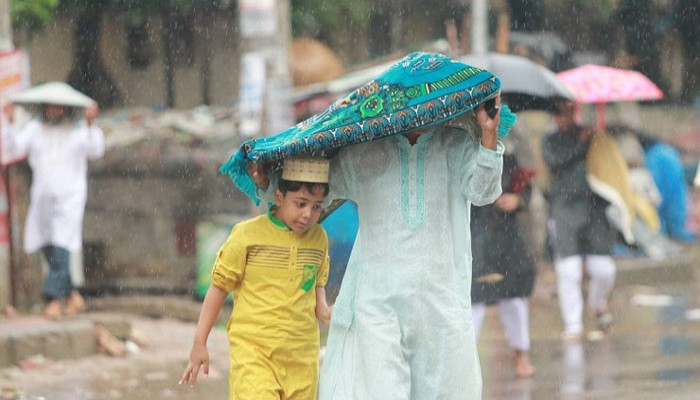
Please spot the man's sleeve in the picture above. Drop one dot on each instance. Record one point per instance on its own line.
(17, 140)
(485, 180)
(94, 142)
(229, 266)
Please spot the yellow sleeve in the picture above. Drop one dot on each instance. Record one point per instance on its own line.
(229, 266)
(322, 274)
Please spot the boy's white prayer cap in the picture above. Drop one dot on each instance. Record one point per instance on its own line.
(306, 169)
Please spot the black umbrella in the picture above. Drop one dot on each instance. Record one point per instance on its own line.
(525, 85)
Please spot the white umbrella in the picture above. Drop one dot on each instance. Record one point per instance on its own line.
(526, 84)
(58, 93)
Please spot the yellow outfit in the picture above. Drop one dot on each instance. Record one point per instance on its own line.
(273, 330)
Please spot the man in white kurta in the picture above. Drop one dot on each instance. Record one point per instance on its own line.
(58, 155)
(401, 326)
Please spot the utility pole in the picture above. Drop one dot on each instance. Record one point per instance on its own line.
(265, 83)
(5, 27)
(480, 34)
(6, 265)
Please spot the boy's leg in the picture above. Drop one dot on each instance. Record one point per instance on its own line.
(300, 380)
(251, 377)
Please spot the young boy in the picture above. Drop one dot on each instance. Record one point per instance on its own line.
(276, 265)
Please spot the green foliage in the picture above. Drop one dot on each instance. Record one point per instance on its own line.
(145, 7)
(177, 6)
(84, 5)
(312, 17)
(32, 15)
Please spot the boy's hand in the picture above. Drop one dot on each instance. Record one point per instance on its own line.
(258, 174)
(323, 313)
(199, 357)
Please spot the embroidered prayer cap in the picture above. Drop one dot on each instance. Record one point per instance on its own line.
(306, 169)
(420, 90)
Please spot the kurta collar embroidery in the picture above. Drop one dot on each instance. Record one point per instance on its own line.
(412, 159)
(276, 221)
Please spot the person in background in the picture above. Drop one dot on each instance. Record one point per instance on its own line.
(664, 162)
(58, 148)
(503, 269)
(578, 227)
(646, 198)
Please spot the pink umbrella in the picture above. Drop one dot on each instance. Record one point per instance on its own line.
(600, 84)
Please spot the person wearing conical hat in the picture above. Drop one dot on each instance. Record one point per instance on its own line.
(58, 146)
(402, 324)
(276, 265)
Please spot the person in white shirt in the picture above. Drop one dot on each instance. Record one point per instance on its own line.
(57, 147)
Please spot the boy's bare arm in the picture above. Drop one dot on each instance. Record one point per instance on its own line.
(199, 356)
(323, 310)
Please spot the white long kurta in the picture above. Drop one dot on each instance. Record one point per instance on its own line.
(58, 156)
(401, 325)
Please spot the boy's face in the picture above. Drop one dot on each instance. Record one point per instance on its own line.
(300, 210)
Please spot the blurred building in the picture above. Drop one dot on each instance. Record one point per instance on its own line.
(206, 52)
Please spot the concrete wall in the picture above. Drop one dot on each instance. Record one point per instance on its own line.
(51, 55)
(133, 221)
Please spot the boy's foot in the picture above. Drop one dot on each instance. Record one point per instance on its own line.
(75, 304)
(523, 366)
(52, 310)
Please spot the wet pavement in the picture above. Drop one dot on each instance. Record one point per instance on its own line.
(652, 353)
(150, 373)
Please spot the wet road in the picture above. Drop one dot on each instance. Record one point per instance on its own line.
(150, 374)
(653, 353)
